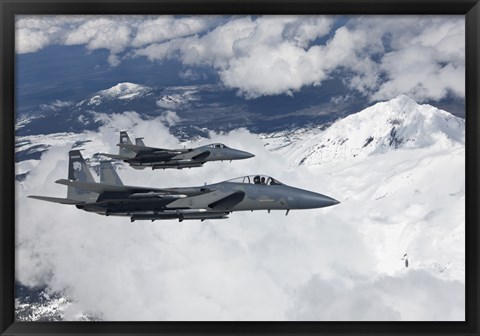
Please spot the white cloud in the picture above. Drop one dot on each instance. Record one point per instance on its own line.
(252, 266)
(56, 105)
(113, 60)
(114, 33)
(270, 55)
(306, 30)
(170, 118)
(165, 28)
(271, 71)
(426, 56)
(33, 33)
(29, 41)
(417, 71)
(191, 74)
(259, 57)
(213, 49)
(101, 33)
(401, 298)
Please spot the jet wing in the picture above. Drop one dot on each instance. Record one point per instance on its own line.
(201, 156)
(115, 157)
(139, 149)
(228, 202)
(56, 200)
(102, 188)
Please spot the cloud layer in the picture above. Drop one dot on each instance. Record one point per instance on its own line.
(385, 299)
(380, 57)
(309, 265)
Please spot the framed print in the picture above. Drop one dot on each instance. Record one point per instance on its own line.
(224, 167)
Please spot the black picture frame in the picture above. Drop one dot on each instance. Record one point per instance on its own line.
(10, 8)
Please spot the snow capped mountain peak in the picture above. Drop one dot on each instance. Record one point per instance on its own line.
(122, 91)
(401, 103)
(400, 123)
(125, 90)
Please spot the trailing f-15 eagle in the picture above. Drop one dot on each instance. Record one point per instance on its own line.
(140, 156)
(215, 201)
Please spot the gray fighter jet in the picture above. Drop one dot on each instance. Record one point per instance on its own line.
(215, 201)
(140, 156)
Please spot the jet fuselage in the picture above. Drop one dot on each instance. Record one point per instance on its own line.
(223, 197)
(190, 158)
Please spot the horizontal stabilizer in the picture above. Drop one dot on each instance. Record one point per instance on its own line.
(98, 187)
(139, 142)
(115, 157)
(57, 200)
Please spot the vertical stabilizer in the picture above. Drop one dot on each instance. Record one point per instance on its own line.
(108, 174)
(79, 171)
(77, 168)
(139, 142)
(125, 139)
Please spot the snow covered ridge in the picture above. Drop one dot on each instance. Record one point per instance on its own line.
(38, 304)
(24, 120)
(177, 101)
(175, 98)
(400, 123)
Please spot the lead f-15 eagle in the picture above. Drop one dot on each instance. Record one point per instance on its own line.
(140, 156)
(215, 201)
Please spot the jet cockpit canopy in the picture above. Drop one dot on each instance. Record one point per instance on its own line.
(256, 179)
(216, 145)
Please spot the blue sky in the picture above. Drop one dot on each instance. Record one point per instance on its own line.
(378, 57)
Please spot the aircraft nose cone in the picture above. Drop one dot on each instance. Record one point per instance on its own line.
(240, 155)
(310, 200)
